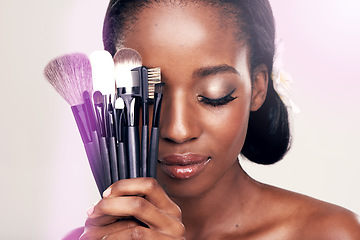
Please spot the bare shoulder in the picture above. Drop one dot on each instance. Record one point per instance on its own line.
(309, 218)
(329, 221)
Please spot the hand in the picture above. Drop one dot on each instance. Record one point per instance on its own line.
(134, 209)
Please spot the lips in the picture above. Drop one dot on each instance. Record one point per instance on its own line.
(183, 166)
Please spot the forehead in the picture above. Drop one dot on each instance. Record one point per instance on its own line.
(183, 38)
(181, 25)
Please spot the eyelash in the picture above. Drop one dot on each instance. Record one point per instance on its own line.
(219, 101)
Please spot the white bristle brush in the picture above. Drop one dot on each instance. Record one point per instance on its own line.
(104, 94)
(102, 65)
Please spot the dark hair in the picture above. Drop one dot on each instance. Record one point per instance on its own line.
(268, 136)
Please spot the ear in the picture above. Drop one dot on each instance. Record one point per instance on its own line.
(259, 87)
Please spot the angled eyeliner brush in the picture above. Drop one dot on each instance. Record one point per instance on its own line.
(71, 76)
(128, 86)
(154, 139)
(104, 86)
(153, 78)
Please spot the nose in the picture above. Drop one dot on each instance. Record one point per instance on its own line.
(178, 123)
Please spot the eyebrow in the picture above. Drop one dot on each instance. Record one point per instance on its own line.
(213, 70)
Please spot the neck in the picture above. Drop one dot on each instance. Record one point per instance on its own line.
(224, 206)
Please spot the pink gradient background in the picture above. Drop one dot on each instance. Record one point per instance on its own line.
(44, 176)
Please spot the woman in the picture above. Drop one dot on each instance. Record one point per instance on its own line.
(216, 59)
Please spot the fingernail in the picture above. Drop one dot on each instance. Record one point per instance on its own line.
(107, 192)
(90, 210)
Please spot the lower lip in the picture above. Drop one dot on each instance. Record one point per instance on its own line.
(184, 172)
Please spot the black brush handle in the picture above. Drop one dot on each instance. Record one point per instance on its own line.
(153, 153)
(144, 150)
(123, 165)
(94, 161)
(104, 152)
(133, 151)
(113, 160)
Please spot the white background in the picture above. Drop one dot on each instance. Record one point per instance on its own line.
(45, 181)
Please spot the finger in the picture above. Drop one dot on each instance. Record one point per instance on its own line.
(92, 232)
(112, 208)
(107, 220)
(142, 233)
(103, 220)
(147, 187)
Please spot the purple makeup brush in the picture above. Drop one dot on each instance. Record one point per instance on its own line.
(71, 76)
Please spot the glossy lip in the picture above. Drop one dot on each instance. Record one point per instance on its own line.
(183, 166)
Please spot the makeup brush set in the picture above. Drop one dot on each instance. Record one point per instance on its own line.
(108, 95)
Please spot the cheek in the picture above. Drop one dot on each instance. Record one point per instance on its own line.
(228, 127)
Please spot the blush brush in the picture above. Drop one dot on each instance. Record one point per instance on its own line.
(71, 76)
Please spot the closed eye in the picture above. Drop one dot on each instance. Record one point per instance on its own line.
(215, 102)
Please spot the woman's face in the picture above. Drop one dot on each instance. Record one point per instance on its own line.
(207, 94)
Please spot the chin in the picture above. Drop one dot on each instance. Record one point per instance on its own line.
(183, 188)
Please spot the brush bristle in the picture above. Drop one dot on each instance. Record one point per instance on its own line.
(102, 66)
(98, 98)
(71, 76)
(159, 88)
(119, 103)
(125, 60)
(154, 77)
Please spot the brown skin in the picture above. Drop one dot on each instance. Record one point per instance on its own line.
(221, 201)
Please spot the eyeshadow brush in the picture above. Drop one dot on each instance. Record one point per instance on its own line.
(94, 146)
(71, 76)
(104, 152)
(128, 86)
(112, 143)
(123, 165)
